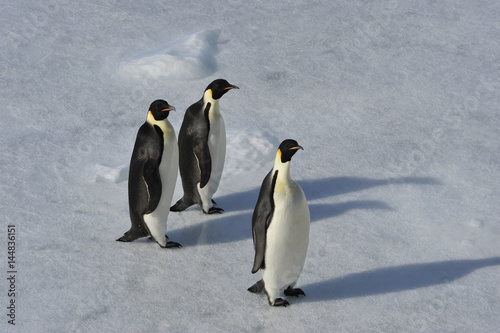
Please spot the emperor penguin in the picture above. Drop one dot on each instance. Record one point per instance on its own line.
(152, 176)
(202, 149)
(280, 227)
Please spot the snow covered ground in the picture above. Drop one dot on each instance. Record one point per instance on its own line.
(395, 102)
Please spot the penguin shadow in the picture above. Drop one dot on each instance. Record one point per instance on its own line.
(230, 227)
(320, 212)
(224, 229)
(394, 279)
(325, 187)
(334, 186)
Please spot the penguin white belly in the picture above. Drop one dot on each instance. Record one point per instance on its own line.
(157, 220)
(287, 239)
(217, 148)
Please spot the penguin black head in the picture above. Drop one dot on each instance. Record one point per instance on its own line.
(287, 149)
(160, 109)
(219, 87)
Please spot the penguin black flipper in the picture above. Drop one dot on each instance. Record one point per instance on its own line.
(202, 152)
(152, 178)
(261, 219)
(151, 172)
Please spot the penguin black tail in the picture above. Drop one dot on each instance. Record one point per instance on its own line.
(124, 238)
(258, 287)
(133, 234)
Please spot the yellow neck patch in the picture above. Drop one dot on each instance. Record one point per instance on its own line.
(279, 153)
(151, 118)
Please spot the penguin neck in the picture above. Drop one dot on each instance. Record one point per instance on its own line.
(282, 168)
(163, 124)
(150, 119)
(207, 98)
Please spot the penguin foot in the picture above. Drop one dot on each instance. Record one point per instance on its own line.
(172, 244)
(258, 287)
(294, 292)
(215, 210)
(180, 206)
(280, 302)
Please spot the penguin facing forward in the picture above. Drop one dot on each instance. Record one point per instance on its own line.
(280, 227)
(202, 149)
(152, 176)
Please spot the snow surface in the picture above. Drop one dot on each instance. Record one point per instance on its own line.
(395, 102)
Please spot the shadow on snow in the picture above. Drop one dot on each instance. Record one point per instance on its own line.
(231, 228)
(394, 279)
(322, 188)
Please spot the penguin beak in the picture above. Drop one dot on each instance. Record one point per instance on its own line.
(296, 148)
(170, 108)
(231, 87)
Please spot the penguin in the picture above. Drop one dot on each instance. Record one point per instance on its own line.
(202, 149)
(280, 228)
(152, 176)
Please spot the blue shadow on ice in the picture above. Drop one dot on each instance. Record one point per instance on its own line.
(324, 211)
(223, 229)
(322, 188)
(231, 228)
(394, 279)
